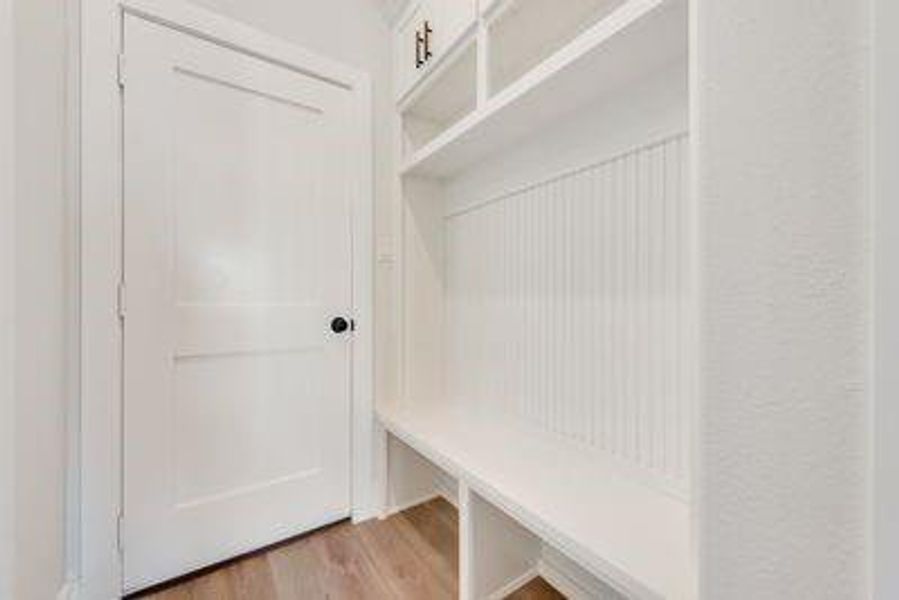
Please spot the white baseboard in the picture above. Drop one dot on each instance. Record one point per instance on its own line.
(442, 490)
(398, 508)
(366, 515)
(520, 581)
(571, 580)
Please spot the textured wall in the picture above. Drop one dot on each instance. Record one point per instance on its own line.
(41, 298)
(779, 88)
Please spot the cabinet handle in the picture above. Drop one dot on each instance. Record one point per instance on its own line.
(419, 42)
(428, 31)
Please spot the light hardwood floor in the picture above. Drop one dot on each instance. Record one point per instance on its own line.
(410, 556)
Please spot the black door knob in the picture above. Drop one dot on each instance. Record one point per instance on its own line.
(339, 325)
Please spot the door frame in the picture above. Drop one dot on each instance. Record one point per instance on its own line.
(101, 351)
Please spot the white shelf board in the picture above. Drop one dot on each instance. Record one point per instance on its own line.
(627, 533)
(638, 38)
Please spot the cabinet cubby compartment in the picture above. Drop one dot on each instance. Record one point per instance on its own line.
(413, 480)
(450, 95)
(523, 33)
(503, 556)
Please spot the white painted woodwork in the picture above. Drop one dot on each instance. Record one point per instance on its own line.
(571, 580)
(452, 95)
(504, 555)
(486, 6)
(413, 480)
(623, 531)
(237, 251)
(449, 21)
(569, 304)
(525, 32)
(423, 297)
(638, 39)
(466, 543)
(405, 53)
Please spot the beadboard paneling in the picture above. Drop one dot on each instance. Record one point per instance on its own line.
(570, 304)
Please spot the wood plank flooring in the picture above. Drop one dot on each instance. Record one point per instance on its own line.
(412, 555)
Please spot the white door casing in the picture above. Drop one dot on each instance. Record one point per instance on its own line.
(237, 254)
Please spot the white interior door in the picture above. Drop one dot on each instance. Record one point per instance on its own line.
(237, 254)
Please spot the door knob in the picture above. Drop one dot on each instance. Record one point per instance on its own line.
(341, 325)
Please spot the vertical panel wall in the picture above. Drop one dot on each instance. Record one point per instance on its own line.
(570, 306)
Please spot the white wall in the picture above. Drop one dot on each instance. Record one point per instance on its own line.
(40, 288)
(886, 330)
(7, 412)
(353, 32)
(780, 92)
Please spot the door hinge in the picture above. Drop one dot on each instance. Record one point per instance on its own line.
(120, 533)
(121, 305)
(120, 69)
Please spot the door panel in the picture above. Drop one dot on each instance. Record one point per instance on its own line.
(237, 254)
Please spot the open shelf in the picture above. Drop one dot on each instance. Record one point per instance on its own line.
(638, 38)
(450, 95)
(631, 535)
(522, 33)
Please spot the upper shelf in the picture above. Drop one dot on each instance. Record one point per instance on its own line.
(639, 37)
(629, 534)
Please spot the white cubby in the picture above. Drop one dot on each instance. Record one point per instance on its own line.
(414, 480)
(523, 33)
(450, 96)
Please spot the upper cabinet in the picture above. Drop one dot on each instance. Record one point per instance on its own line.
(427, 30)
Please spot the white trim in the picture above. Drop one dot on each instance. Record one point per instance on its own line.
(447, 488)
(439, 492)
(883, 523)
(513, 585)
(7, 300)
(565, 582)
(73, 268)
(213, 27)
(398, 508)
(100, 252)
(571, 581)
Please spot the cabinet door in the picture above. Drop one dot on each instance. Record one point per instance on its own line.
(406, 52)
(447, 20)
